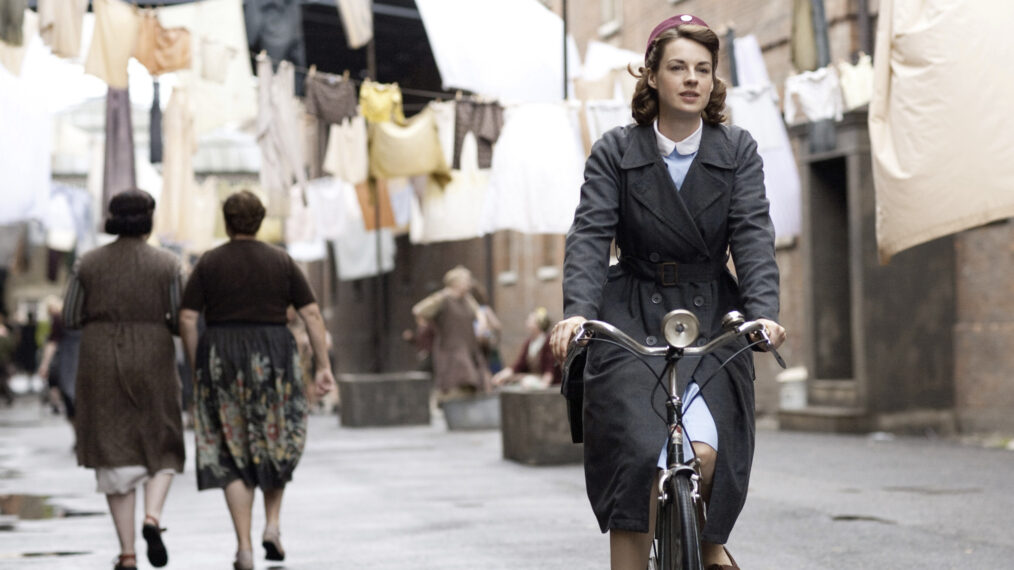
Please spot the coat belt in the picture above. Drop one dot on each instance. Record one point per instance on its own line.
(672, 273)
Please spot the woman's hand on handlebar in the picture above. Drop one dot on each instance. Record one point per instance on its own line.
(562, 334)
(775, 332)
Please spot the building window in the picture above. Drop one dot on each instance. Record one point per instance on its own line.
(612, 17)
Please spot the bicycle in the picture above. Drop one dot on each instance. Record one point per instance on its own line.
(680, 510)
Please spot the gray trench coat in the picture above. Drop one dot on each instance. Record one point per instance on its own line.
(672, 246)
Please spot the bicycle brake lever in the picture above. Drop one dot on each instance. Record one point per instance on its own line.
(771, 348)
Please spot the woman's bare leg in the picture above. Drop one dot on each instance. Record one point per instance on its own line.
(122, 509)
(240, 500)
(156, 489)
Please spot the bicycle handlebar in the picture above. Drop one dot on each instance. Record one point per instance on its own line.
(735, 327)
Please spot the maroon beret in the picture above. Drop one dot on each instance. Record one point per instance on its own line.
(675, 21)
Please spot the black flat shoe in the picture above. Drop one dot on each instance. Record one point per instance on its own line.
(272, 544)
(157, 554)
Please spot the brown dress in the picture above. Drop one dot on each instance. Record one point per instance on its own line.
(457, 361)
(125, 297)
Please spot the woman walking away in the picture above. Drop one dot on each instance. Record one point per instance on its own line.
(677, 191)
(251, 410)
(124, 298)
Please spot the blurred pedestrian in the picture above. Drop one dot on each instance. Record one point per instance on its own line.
(59, 359)
(487, 329)
(7, 344)
(124, 298)
(535, 366)
(459, 368)
(677, 191)
(251, 409)
(26, 354)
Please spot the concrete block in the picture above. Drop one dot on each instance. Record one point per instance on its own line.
(534, 427)
(388, 399)
(481, 411)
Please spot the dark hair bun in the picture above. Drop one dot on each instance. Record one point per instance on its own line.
(130, 213)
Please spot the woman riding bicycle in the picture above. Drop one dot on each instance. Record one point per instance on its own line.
(678, 191)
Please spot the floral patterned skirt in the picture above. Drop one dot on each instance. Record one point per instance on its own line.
(250, 412)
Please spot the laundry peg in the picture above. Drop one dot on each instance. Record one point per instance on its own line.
(345, 75)
(313, 70)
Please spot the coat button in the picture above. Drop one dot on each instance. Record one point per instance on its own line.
(656, 298)
(698, 301)
(654, 257)
(650, 341)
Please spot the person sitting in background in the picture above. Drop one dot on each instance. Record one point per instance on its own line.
(6, 350)
(535, 366)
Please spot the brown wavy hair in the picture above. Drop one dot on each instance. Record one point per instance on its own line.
(644, 105)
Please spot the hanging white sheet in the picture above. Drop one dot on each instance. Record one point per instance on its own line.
(941, 135)
(536, 176)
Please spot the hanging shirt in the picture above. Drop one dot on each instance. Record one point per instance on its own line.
(278, 135)
(276, 27)
(443, 116)
(178, 184)
(326, 199)
(815, 94)
(409, 150)
(678, 156)
(116, 30)
(381, 102)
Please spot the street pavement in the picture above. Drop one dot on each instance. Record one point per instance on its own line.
(427, 498)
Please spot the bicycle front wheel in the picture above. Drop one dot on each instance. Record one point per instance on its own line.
(677, 533)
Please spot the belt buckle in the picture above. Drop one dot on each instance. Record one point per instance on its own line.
(668, 275)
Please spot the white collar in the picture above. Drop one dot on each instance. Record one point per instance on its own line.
(684, 147)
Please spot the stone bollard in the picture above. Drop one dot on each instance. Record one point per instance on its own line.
(534, 427)
(387, 399)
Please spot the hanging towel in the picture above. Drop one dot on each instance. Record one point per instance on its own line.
(356, 250)
(443, 115)
(326, 199)
(381, 102)
(302, 240)
(216, 57)
(357, 21)
(453, 212)
(177, 168)
(347, 154)
(60, 23)
(159, 49)
(116, 28)
(368, 194)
